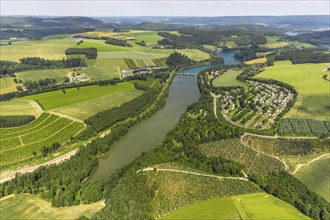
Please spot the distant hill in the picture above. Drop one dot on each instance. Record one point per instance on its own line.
(319, 37)
(299, 20)
(38, 27)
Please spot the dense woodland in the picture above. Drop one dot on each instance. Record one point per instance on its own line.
(15, 121)
(304, 56)
(176, 60)
(90, 53)
(37, 63)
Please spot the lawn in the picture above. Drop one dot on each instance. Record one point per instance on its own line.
(57, 99)
(311, 106)
(248, 206)
(228, 79)
(48, 49)
(315, 175)
(19, 107)
(306, 78)
(26, 206)
(86, 109)
(35, 75)
(7, 85)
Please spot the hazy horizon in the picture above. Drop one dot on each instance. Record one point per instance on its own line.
(142, 8)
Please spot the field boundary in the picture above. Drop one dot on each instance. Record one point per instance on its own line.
(8, 175)
(311, 161)
(189, 172)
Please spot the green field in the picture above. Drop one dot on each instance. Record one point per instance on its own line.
(177, 190)
(228, 79)
(35, 75)
(150, 37)
(7, 85)
(248, 206)
(18, 144)
(26, 206)
(86, 109)
(20, 107)
(101, 46)
(315, 175)
(272, 43)
(102, 68)
(311, 106)
(303, 77)
(48, 49)
(57, 99)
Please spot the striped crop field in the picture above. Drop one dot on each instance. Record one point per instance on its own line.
(25, 142)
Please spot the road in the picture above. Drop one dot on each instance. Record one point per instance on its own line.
(8, 175)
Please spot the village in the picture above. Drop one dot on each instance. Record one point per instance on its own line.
(258, 108)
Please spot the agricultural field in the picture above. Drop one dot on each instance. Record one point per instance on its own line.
(247, 206)
(7, 85)
(20, 107)
(176, 190)
(228, 79)
(303, 77)
(311, 106)
(21, 143)
(256, 61)
(150, 37)
(57, 99)
(49, 49)
(26, 206)
(232, 149)
(315, 176)
(103, 68)
(35, 75)
(287, 147)
(274, 42)
(301, 126)
(88, 108)
(101, 46)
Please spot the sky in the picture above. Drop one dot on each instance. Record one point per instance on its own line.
(102, 8)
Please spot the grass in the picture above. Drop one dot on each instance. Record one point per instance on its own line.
(248, 206)
(18, 144)
(86, 109)
(7, 85)
(101, 46)
(275, 42)
(311, 106)
(19, 107)
(228, 79)
(26, 206)
(150, 37)
(304, 77)
(103, 68)
(220, 208)
(255, 61)
(57, 99)
(48, 49)
(35, 75)
(176, 190)
(315, 176)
